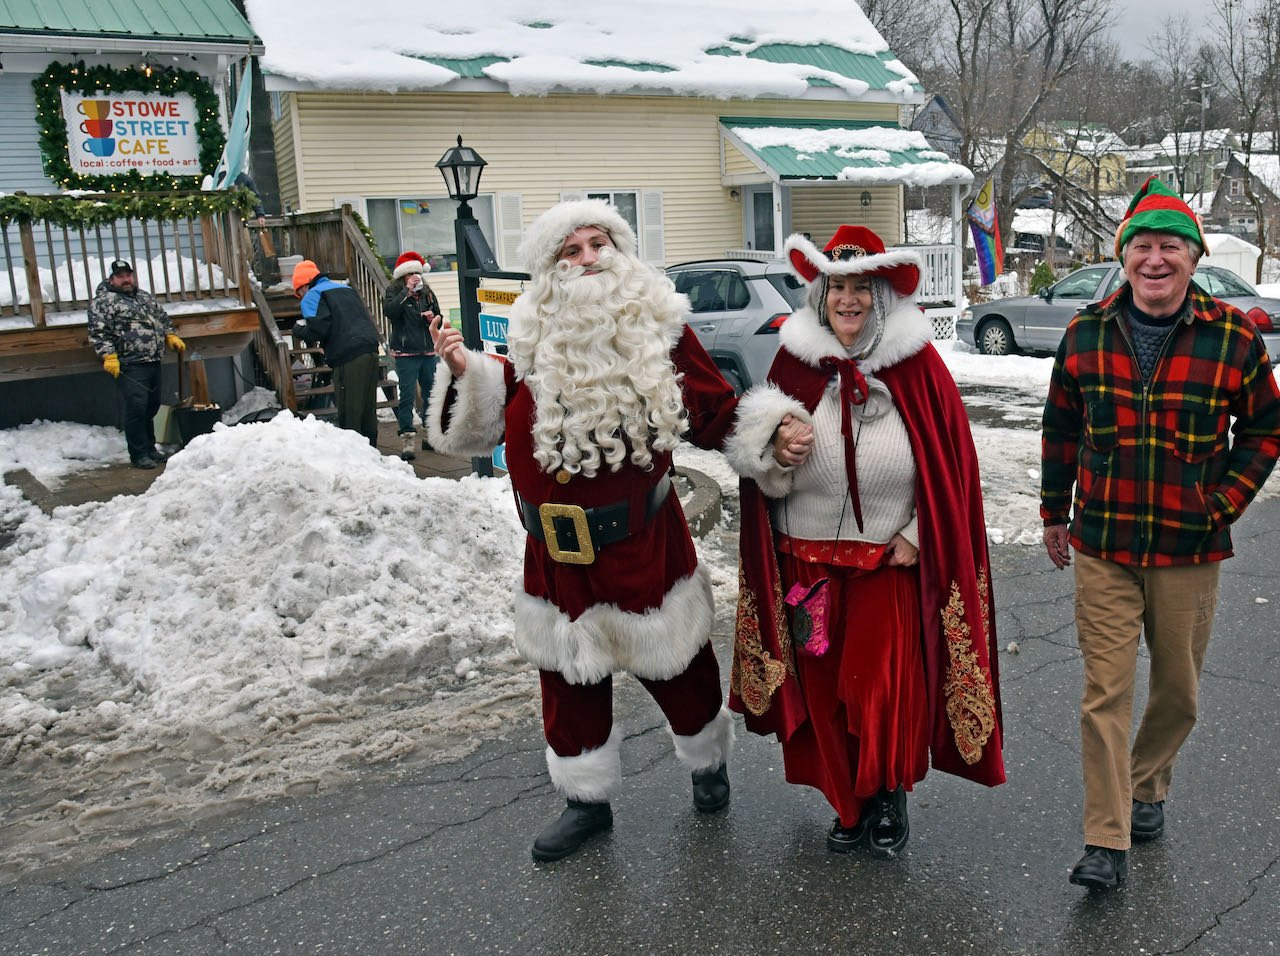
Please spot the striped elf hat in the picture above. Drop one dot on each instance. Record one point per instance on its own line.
(1157, 207)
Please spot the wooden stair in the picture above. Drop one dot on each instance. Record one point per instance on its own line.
(313, 378)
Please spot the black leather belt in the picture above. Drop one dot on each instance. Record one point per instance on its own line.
(574, 534)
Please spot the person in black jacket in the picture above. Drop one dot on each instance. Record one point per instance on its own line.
(410, 305)
(334, 318)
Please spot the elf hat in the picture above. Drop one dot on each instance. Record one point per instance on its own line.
(410, 263)
(1157, 208)
(855, 250)
(546, 234)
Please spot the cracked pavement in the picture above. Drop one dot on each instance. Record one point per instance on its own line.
(436, 860)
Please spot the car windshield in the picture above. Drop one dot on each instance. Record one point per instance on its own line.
(1219, 282)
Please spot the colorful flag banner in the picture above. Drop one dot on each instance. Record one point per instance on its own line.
(985, 228)
(235, 154)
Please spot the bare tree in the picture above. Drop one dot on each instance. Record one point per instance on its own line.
(908, 26)
(1247, 65)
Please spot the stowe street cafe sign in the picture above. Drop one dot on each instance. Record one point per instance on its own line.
(115, 132)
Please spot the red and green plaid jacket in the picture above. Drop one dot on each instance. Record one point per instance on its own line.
(1156, 481)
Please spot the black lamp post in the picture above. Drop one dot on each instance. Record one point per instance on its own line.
(461, 167)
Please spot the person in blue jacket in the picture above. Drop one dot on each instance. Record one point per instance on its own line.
(334, 317)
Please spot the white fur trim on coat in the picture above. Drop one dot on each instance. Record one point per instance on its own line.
(476, 421)
(657, 645)
(709, 747)
(545, 235)
(859, 265)
(749, 447)
(906, 331)
(594, 776)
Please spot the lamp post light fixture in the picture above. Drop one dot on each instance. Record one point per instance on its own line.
(461, 167)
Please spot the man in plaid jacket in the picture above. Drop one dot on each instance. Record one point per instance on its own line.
(1145, 387)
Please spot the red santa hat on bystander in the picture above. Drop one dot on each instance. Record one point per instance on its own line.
(409, 263)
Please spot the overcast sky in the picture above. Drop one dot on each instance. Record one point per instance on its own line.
(1137, 21)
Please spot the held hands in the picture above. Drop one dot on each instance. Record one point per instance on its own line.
(449, 346)
(901, 553)
(1057, 542)
(792, 442)
(175, 343)
(111, 365)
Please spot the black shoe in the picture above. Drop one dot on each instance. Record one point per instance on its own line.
(576, 825)
(847, 839)
(1100, 868)
(711, 789)
(888, 827)
(158, 456)
(145, 463)
(1147, 820)
(426, 445)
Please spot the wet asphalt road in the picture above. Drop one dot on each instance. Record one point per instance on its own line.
(437, 861)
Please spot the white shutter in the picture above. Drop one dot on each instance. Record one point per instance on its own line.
(510, 230)
(572, 195)
(652, 248)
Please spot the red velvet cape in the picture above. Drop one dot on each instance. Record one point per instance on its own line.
(959, 639)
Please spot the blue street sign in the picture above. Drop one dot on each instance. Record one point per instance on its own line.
(500, 457)
(493, 328)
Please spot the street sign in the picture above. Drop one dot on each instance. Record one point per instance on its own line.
(500, 456)
(497, 296)
(493, 328)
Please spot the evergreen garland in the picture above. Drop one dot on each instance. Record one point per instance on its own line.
(107, 208)
(77, 78)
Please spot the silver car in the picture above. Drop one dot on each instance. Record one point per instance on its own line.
(1035, 323)
(737, 308)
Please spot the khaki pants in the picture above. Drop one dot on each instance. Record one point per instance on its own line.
(1173, 609)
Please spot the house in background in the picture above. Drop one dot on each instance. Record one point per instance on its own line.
(1193, 160)
(1088, 154)
(716, 130)
(1232, 212)
(940, 125)
(50, 266)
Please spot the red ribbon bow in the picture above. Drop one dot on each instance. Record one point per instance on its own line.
(853, 391)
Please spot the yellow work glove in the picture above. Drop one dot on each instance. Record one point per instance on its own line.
(175, 343)
(111, 365)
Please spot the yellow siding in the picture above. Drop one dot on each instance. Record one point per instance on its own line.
(736, 163)
(286, 156)
(819, 210)
(386, 145)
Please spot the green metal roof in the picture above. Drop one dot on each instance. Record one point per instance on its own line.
(204, 20)
(789, 162)
(472, 69)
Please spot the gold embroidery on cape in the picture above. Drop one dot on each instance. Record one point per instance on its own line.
(970, 702)
(756, 674)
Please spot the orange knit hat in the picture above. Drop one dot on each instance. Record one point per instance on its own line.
(304, 273)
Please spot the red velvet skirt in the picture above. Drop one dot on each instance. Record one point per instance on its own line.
(868, 713)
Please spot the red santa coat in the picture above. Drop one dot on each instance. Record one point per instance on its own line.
(959, 641)
(644, 605)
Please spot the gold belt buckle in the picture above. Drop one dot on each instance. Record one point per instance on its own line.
(547, 513)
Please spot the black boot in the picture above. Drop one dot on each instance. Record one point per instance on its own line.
(711, 789)
(576, 825)
(889, 828)
(1100, 868)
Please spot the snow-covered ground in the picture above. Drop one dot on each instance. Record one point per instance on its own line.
(285, 607)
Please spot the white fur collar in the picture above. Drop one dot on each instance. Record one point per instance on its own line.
(906, 332)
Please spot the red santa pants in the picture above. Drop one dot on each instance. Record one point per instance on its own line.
(579, 717)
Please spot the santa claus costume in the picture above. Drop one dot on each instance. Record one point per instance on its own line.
(603, 380)
(883, 520)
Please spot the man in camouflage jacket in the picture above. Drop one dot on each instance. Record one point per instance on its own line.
(1144, 390)
(129, 331)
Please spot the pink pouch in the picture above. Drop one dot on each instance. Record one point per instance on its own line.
(807, 612)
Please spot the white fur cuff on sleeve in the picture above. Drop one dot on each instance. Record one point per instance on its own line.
(749, 447)
(476, 421)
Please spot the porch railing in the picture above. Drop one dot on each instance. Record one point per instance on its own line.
(47, 267)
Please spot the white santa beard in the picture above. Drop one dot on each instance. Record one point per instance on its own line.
(600, 371)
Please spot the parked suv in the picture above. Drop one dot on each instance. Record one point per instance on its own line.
(737, 308)
(1036, 322)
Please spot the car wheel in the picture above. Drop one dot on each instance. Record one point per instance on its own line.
(734, 379)
(995, 338)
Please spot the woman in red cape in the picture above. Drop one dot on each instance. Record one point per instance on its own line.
(860, 498)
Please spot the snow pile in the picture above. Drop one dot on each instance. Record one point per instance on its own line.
(79, 278)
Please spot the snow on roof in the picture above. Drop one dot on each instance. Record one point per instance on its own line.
(714, 48)
(1040, 222)
(1182, 144)
(1266, 167)
(864, 155)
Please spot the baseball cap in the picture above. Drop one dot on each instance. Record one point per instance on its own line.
(120, 265)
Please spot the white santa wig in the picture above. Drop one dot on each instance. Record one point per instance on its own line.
(546, 234)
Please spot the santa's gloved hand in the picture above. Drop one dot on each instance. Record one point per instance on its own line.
(111, 365)
(175, 343)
